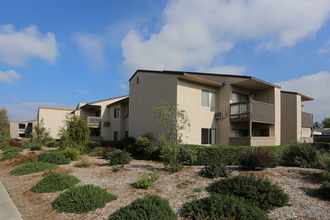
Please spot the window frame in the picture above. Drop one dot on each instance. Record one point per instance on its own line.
(208, 136)
(208, 98)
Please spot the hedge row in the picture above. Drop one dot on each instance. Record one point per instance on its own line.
(229, 154)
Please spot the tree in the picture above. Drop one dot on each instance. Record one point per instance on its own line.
(326, 122)
(75, 133)
(174, 121)
(316, 124)
(4, 124)
(39, 135)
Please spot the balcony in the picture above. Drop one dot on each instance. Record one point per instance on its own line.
(306, 120)
(94, 122)
(252, 111)
(21, 131)
(252, 141)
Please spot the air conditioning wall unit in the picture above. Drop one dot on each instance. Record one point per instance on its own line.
(220, 115)
(106, 124)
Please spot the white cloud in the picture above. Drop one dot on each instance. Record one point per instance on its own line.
(28, 110)
(84, 92)
(9, 76)
(195, 32)
(315, 86)
(92, 47)
(17, 47)
(123, 86)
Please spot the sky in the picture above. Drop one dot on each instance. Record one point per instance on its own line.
(59, 53)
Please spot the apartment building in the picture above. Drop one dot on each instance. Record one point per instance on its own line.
(107, 119)
(223, 109)
(53, 119)
(21, 129)
(296, 125)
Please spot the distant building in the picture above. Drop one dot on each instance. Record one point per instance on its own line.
(21, 129)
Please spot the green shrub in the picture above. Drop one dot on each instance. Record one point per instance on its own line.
(35, 146)
(197, 189)
(301, 155)
(228, 154)
(82, 199)
(253, 160)
(180, 186)
(150, 207)
(26, 145)
(219, 206)
(11, 148)
(55, 182)
(214, 171)
(265, 194)
(53, 144)
(125, 142)
(10, 155)
(34, 167)
(324, 190)
(326, 176)
(117, 168)
(54, 157)
(83, 164)
(96, 152)
(93, 144)
(324, 161)
(147, 147)
(72, 154)
(107, 150)
(147, 180)
(118, 157)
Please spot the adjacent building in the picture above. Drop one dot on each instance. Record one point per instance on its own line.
(21, 129)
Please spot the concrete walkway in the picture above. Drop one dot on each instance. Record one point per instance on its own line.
(8, 210)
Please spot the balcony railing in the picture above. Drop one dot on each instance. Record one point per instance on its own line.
(306, 120)
(252, 110)
(21, 131)
(94, 122)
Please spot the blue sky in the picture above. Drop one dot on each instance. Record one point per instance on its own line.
(59, 53)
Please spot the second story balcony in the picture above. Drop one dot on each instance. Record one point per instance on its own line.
(252, 111)
(93, 121)
(306, 120)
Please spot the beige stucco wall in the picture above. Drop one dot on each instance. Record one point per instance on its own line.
(53, 119)
(144, 97)
(277, 125)
(189, 98)
(306, 132)
(14, 129)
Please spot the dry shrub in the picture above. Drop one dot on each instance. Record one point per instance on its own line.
(61, 170)
(24, 159)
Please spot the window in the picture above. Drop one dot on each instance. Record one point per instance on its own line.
(209, 136)
(264, 132)
(239, 97)
(21, 126)
(238, 132)
(208, 98)
(98, 113)
(126, 134)
(116, 135)
(116, 113)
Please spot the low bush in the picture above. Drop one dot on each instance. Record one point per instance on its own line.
(324, 190)
(35, 146)
(72, 154)
(265, 194)
(301, 155)
(197, 189)
(326, 176)
(253, 160)
(55, 182)
(24, 159)
(117, 168)
(324, 161)
(219, 206)
(125, 142)
(54, 157)
(214, 171)
(82, 199)
(96, 152)
(15, 143)
(93, 144)
(118, 157)
(53, 144)
(26, 145)
(180, 186)
(147, 180)
(107, 150)
(147, 148)
(83, 164)
(34, 167)
(149, 207)
(10, 155)
(9, 149)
